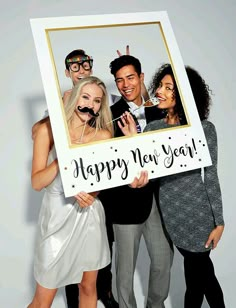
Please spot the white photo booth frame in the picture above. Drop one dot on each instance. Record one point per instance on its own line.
(100, 165)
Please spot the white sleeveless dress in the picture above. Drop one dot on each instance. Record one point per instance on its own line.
(70, 239)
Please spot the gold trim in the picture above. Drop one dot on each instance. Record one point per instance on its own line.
(103, 26)
(158, 23)
(176, 78)
(58, 86)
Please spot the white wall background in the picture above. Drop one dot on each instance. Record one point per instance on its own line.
(205, 33)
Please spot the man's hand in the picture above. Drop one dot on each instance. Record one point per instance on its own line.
(127, 51)
(127, 124)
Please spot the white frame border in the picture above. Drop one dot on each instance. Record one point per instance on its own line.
(116, 154)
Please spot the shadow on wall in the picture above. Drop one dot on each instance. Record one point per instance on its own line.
(33, 104)
(35, 107)
(34, 198)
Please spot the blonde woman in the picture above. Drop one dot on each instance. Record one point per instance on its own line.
(72, 241)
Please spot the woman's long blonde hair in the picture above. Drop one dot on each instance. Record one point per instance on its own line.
(104, 120)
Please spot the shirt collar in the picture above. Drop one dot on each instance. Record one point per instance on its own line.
(136, 109)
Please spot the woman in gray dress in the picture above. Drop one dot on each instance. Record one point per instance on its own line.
(191, 207)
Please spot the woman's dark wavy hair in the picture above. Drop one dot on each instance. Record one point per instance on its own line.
(201, 92)
(200, 89)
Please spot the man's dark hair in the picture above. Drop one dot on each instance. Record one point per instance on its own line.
(73, 54)
(125, 60)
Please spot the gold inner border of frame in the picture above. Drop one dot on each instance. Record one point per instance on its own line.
(158, 23)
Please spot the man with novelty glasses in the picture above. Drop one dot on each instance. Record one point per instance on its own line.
(79, 65)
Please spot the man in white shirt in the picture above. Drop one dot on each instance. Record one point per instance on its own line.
(135, 212)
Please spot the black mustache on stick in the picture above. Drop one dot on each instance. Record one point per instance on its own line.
(89, 110)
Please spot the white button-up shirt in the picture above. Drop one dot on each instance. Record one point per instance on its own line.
(138, 111)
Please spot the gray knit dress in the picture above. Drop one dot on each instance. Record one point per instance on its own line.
(190, 207)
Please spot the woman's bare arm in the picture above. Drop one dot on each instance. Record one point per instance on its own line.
(42, 175)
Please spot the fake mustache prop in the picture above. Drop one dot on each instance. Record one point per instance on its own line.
(88, 110)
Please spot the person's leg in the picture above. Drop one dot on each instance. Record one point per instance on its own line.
(43, 297)
(87, 290)
(212, 289)
(161, 256)
(72, 295)
(194, 277)
(127, 240)
(201, 280)
(104, 279)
